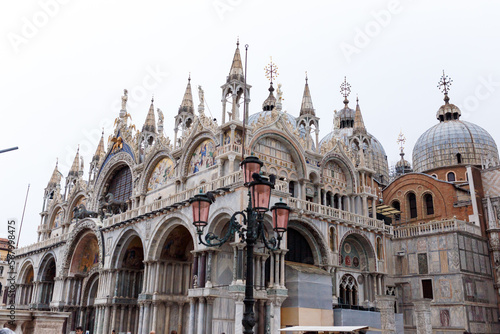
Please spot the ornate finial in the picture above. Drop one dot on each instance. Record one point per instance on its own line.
(357, 99)
(57, 162)
(152, 98)
(444, 86)
(345, 90)
(271, 70)
(401, 140)
(189, 78)
(238, 42)
(306, 78)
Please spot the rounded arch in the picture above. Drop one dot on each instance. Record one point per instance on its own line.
(89, 287)
(345, 164)
(162, 231)
(363, 246)
(56, 210)
(24, 271)
(121, 245)
(85, 255)
(82, 227)
(79, 198)
(115, 163)
(295, 150)
(315, 238)
(151, 164)
(188, 153)
(451, 176)
(427, 200)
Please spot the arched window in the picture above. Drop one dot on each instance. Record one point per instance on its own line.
(459, 158)
(412, 204)
(450, 176)
(333, 238)
(429, 204)
(299, 249)
(121, 184)
(348, 290)
(291, 188)
(396, 205)
(380, 249)
(434, 176)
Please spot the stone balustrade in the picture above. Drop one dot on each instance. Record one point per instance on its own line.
(327, 212)
(41, 244)
(439, 226)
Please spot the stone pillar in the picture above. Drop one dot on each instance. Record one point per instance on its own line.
(423, 315)
(113, 318)
(179, 324)
(231, 158)
(365, 289)
(387, 317)
(201, 316)
(121, 325)
(238, 316)
(208, 283)
(374, 208)
(191, 323)
(140, 321)
(282, 271)
(154, 327)
(365, 206)
(146, 318)
(105, 328)
(210, 310)
(202, 269)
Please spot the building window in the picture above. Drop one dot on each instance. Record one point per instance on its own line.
(427, 289)
(459, 158)
(434, 176)
(299, 249)
(397, 206)
(348, 290)
(429, 204)
(1, 271)
(380, 249)
(291, 188)
(333, 237)
(412, 203)
(450, 176)
(121, 185)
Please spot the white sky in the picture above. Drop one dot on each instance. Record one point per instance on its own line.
(62, 81)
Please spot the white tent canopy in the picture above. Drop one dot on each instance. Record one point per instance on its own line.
(329, 329)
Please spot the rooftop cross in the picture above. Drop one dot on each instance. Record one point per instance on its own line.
(271, 70)
(444, 84)
(401, 140)
(345, 90)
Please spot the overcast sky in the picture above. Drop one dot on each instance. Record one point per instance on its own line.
(65, 64)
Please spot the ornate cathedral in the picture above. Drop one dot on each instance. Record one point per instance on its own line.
(412, 250)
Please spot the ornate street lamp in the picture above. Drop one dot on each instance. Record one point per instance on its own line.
(259, 195)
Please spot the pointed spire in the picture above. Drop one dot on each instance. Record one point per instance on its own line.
(359, 125)
(100, 148)
(307, 105)
(187, 104)
(75, 168)
(150, 123)
(236, 71)
(55, 179)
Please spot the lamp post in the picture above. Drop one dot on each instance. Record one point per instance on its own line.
(259, 194)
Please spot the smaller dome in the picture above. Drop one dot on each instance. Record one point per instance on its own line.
(403, 163)
(448, 112)
(252, 119)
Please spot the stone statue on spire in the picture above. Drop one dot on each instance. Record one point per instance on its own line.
(124, 99)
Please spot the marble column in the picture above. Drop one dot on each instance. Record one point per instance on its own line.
(141, 318)
(146, 320)
(262, 316)
(105, 328)
(208, 283)
(387, 317)
(154, 327)
(374, 208)
(238, 316)
(201, 316)
(113, 317)
(202, 277)
(365, 289)
(181, 313)
(209, 315)
(191, 323)
(423, 315)
(282, 271)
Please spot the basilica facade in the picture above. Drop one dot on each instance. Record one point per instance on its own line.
(117, 248)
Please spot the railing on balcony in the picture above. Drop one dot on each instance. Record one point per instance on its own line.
(345, 216)
(438, 226)
(368, 190)
(222, 182)
(41, 244)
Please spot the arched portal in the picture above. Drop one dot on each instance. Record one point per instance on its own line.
(47, 273)
(88, 311)
(170, 274)
(129, 271)
(298, 248)
(24, 289)
(83, 266)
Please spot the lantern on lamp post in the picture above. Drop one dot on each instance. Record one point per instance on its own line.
(252, 229)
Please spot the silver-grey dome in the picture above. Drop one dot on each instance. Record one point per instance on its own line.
(252, 119)
(450, 143)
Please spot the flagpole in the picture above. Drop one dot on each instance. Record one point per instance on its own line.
(22, 218)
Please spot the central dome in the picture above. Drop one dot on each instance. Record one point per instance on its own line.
(451, 143)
